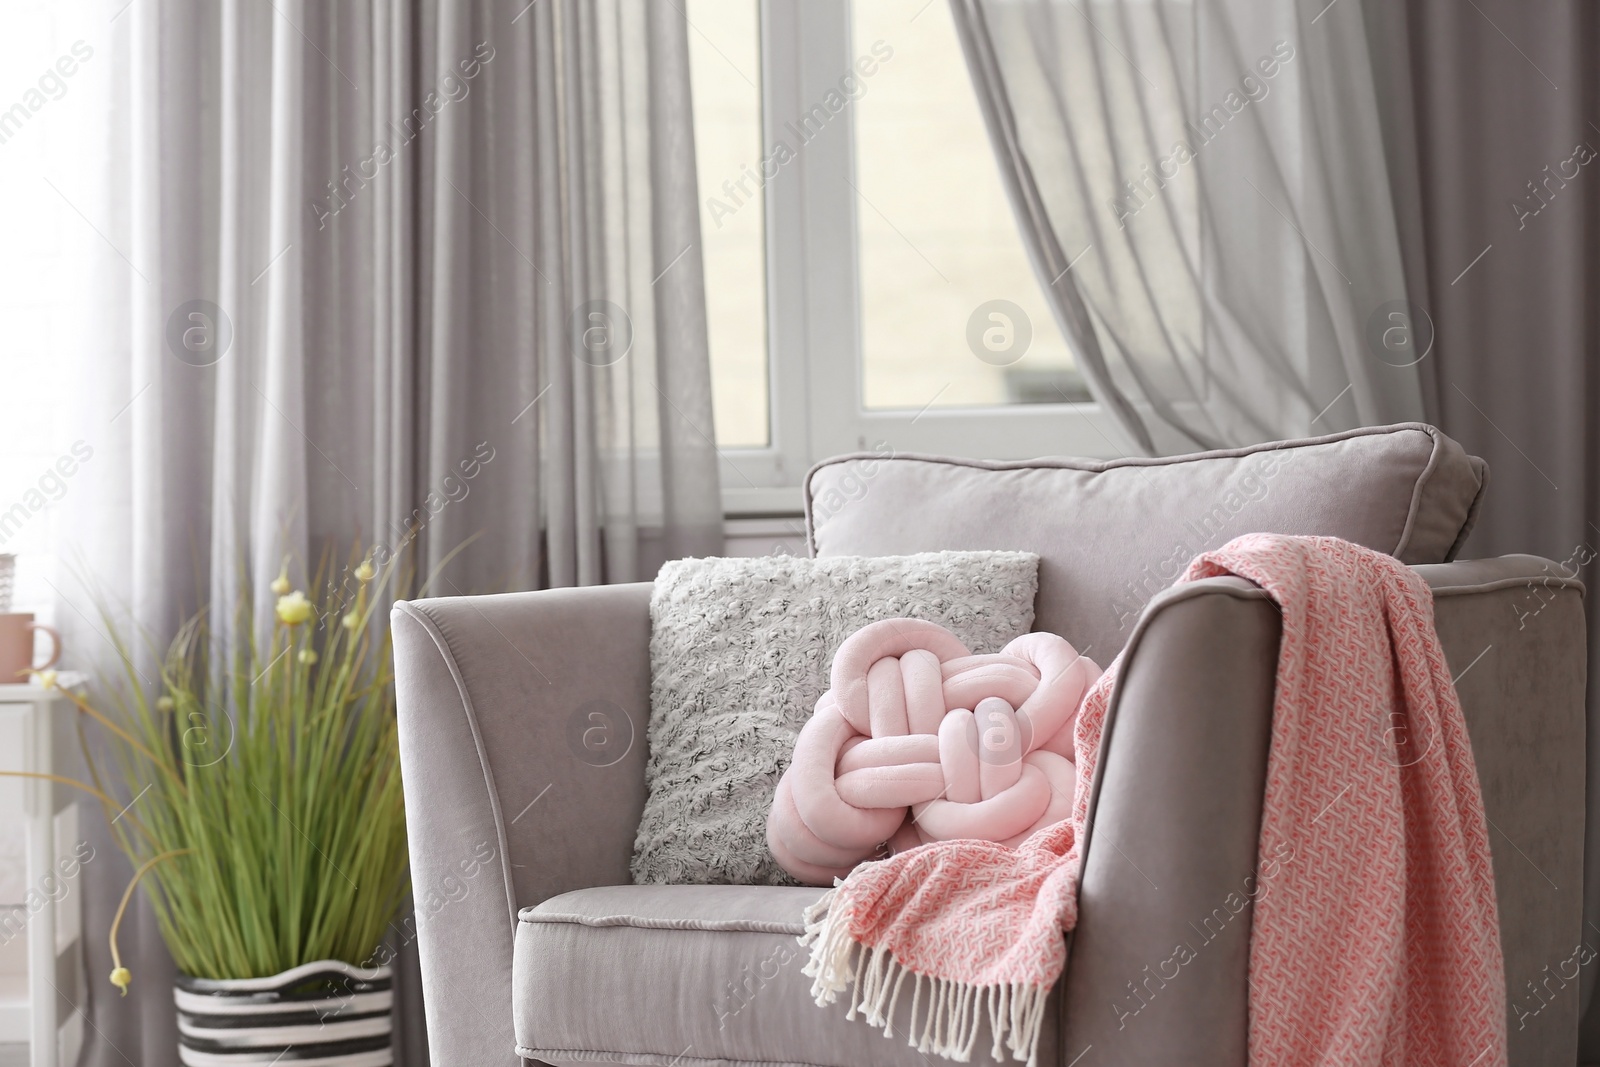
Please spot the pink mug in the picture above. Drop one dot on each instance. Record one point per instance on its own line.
(16, 647)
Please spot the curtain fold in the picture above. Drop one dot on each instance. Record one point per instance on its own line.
(1507, 234)
(1204, 193)
(444, 258)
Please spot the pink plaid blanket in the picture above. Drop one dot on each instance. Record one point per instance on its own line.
(1381, 947)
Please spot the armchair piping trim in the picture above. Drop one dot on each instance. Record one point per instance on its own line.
(1416, 498)
(1549, 581)
(535, 917)
(1472, 509)
(441, 641)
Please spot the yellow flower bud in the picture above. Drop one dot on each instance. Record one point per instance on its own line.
(293, 608)
(280, 584)
(47, 678)
(350, 621)
(308, 656)
(366, 571)
(164, 704)
(120, 978)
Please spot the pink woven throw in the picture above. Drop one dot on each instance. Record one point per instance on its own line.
(1379, 946)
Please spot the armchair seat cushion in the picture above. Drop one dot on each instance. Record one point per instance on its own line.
(686, 976)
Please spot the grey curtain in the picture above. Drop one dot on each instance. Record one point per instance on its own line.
(1204, 194)
(1507, 241)
(418, 273)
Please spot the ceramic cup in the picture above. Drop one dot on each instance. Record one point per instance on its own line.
(16, 647)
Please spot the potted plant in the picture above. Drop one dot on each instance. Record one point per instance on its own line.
(265, 818)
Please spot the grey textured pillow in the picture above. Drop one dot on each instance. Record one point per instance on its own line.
(740, 651)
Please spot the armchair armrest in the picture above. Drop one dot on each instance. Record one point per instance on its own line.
(522, 720)
(1171, 859)
(1513, 632)
(1170, 854)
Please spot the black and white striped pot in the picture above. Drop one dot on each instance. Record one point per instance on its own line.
(324, 1014)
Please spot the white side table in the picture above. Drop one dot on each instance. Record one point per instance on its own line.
(39, 1002)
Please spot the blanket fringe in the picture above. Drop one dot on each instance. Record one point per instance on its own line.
(950, 1012)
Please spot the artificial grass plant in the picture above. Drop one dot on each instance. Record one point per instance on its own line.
(264, 806)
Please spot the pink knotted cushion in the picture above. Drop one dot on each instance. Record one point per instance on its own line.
(919, 740)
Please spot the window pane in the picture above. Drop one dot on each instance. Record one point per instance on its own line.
(724, 75)
(48, 163)
(951, 313)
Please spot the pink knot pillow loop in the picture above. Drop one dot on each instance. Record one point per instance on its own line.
(919, 740)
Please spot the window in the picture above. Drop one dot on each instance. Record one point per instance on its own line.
(867, 284)
(725, 76)
(53, 65)
(951, 315)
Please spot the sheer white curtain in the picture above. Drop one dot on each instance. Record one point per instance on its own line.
(414, 273)
(54, 79)
(1203, 190)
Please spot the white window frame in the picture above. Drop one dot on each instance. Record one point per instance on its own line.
(813, 301)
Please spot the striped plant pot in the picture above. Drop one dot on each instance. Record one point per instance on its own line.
(324, 1014)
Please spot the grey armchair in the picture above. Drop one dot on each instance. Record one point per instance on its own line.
(523, 737)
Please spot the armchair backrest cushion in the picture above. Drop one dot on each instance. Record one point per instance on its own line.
(1110, 535)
